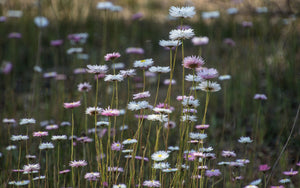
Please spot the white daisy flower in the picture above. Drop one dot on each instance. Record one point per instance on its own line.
(102, 123)
(169, 43)
(93, 111)
(145, 63)
(173, 148)
(182, 12)
(178, 34)
(41, 21)
(138, 105)
(97, 69)
(119, 186)
(208, 149)
(106, 5)
(170, 170)
(193, 78)
(158, 117)
(129, 141)
(209, 86)
(74, 50)
(245, 140)
(23, 182)
(198, 136)
(47, 145)
(160, 156)
(128, 73)
(224, 77)
(161, 165)
(159, 69)
(11, 147)
(162, 110)
(190, 103)
(190, 118)
(26, 121)
(110, 78)
(59, 137)
(19, 137)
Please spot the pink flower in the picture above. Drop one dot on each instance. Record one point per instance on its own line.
(64, 171)
(92, 176)
(202, 126)
(116, 146)
(151, 183)
(180, 98)
(134, 50)
(264, 167)
(192, 62)
(290, 173)
(141, 95)
(278, 186)
(260, 97)
(229, 42)
(110, 112)
(56, 42)
(72, 104)
(189, 156)
(40, 134)
(79, 163)
(213, 172)
(206, 73)
(137, 16)
(228, 154)
(6, 67)
(112, 56)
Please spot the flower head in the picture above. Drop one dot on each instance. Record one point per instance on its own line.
(209, 86)
(92, 176)
(47, 145)
(112, 56)
(79, 163)
(141, 95)
(160, 156)
(145, 63)
(245, 140)
(192, 62)
(182, 12)
(84, 87)
(72, 104)
(110, 112)
(264, 167)
(116, 146)
(40, 133)
(93, 111)
(31, 167)
(134, 50)
(97, 69)
(260, 97)
(26, 121)
(178, 34)
(291, 172)
(169, 43)
(213, 172)
(200, 41)
(151, 183)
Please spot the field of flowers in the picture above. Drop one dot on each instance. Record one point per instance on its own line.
(149, 94)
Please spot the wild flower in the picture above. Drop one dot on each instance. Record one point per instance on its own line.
(198, 136)
(9, 121)
(112, 56)
(179, 34)
(111, 78)
(167, 82)
(170, 125)
(230, 42)
(224, 77)
(290, 173)
(250, 186)
(192, 103)
(285, 180)
(58, 42)
(182, 12)
(137, 105)
(160, 156)
(161, 165)
(40, 134)
(115, 169)
(92, 176)
(59, 137)
(31, 167)
(158, 117)
(201, 127)
(260, 97)
(264, 167)
(119, 186)
(256, 182)
(189, 118)
(193, 78)
(245, 140)
(159, 69)
(129, 141)
(128, 73)
(72, 104)
(64, 171)
(97, 69)
(19, 137)
(228, 153)
(26, 121)
(93, 111)
(74, 50)
(200, 41)
(208, 73)
(135, 50)
(41, 21)
(169, 43)
(47, 145)
(84, 87)
(106, 5)
(110, 112)
(11, 147)
(145, 63)
(151, 183)
(212, 172)
(116, 146)
(21, 183)
(52, 127)
(209, 86)
(77, 164)
(141, 95)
